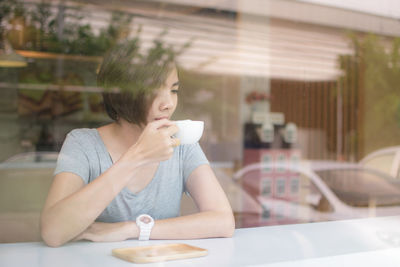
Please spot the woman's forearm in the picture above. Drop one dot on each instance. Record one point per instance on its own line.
(200, 225)
(204, 224)
(72, 215)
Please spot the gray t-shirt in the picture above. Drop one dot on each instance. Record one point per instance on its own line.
(84, 154)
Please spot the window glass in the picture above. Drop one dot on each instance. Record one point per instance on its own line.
(303, 202)
(383, 163)
(291, 102)
(362, 188)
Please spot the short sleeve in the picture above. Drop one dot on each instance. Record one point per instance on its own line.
(193, 157)
(72, 158)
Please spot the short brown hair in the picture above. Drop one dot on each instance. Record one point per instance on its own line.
(129, 79)
(124, 105)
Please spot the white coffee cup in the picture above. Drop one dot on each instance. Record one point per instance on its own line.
(190, 131)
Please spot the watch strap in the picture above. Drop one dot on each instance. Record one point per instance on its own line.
(144, 233)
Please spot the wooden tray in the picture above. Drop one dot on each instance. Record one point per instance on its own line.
(157, 253)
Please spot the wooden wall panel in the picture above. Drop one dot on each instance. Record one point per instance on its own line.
(313, 106)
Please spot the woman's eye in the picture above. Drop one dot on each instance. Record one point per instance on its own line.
(175, 91)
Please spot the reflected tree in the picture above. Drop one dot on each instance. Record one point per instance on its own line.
(371, 87)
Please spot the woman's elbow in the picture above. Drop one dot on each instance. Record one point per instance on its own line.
(52, 243)
(50, 235)
(229, 225)
(50, 238)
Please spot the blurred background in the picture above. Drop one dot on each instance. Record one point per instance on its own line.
(300, 99)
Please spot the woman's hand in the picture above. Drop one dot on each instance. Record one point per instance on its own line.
(109, 232)
(155, 144)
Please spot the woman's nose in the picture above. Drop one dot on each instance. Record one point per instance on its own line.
(166, 102)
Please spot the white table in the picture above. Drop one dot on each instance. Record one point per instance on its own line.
(361, 242)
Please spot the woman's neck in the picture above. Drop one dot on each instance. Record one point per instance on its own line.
(125, 133)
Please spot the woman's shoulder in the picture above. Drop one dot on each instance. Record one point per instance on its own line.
(83, 135)
(190, 150)
(189, 147)
(82, 132)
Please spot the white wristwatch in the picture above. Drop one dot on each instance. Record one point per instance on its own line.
(145, 223)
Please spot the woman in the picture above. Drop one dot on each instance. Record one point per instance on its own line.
(125, 180)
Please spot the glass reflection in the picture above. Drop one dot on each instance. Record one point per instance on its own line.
(301, 117)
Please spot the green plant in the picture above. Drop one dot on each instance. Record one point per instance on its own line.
(40, 29)
(372, 75)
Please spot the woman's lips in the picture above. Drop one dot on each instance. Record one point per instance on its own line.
(160, 118)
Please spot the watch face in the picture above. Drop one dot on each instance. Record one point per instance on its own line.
(145, 219)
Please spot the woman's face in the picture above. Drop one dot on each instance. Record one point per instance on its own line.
(166, 99)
